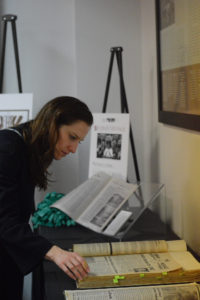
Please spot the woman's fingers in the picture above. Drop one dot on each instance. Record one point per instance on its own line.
(75, 271)
(82, 261)
(71, 263)
(78, 268)
(68, 272)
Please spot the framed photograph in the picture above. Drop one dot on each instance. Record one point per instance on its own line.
(178, 52)
(15, 109)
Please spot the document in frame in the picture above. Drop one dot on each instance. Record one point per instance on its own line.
(15, 109)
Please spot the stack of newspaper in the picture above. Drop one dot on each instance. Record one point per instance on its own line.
(189, 291)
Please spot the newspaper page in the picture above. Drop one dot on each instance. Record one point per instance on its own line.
(130, 264)
(148, 246)
(176, 245)
(139, 247)
(117, 248)
(92, 249)
(95, 202)
(74, 203)
(129, 247)
(105, 206)
(187, 260)
(109, 144)
(188, 291)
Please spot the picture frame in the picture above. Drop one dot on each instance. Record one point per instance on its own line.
(178, 62)
(15, 109)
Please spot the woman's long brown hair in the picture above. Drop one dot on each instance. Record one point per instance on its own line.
(43, 134)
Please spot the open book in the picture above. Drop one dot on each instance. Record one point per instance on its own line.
(162, 292)
(96, 203)
(138, 263)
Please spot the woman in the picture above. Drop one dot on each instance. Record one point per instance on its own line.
(26, 152)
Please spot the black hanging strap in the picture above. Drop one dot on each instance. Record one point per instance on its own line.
(124, 104)
(12, 19)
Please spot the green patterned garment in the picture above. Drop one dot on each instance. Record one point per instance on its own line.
(51, 216)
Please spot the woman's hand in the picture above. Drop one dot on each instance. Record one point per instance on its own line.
(70, 262)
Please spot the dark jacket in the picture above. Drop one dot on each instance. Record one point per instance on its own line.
(21, 250)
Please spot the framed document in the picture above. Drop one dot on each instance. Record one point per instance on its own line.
(178, 52)
(15, 109)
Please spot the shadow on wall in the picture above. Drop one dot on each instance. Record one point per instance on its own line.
(154, 163)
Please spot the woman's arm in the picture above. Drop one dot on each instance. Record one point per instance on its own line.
(70, 262)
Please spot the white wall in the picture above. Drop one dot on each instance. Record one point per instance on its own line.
(46, 47)
(180, 170)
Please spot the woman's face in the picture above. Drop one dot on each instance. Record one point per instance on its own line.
(69, 136)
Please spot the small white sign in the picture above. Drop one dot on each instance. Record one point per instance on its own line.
(117, 222)
(15, 109)
(109, 144)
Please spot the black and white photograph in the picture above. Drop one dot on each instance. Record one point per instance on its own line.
(109, 145)
(15, 109)
(102, 216)
(11, 118)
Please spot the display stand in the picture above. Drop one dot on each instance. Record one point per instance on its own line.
(12, 19)
(147, 195)
(117, 51)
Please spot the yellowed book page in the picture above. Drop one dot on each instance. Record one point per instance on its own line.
(186, 260)
(131, 247)
(176, 245)
(92, 249)
(161, 292)
(139, 247)
(132, 264)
